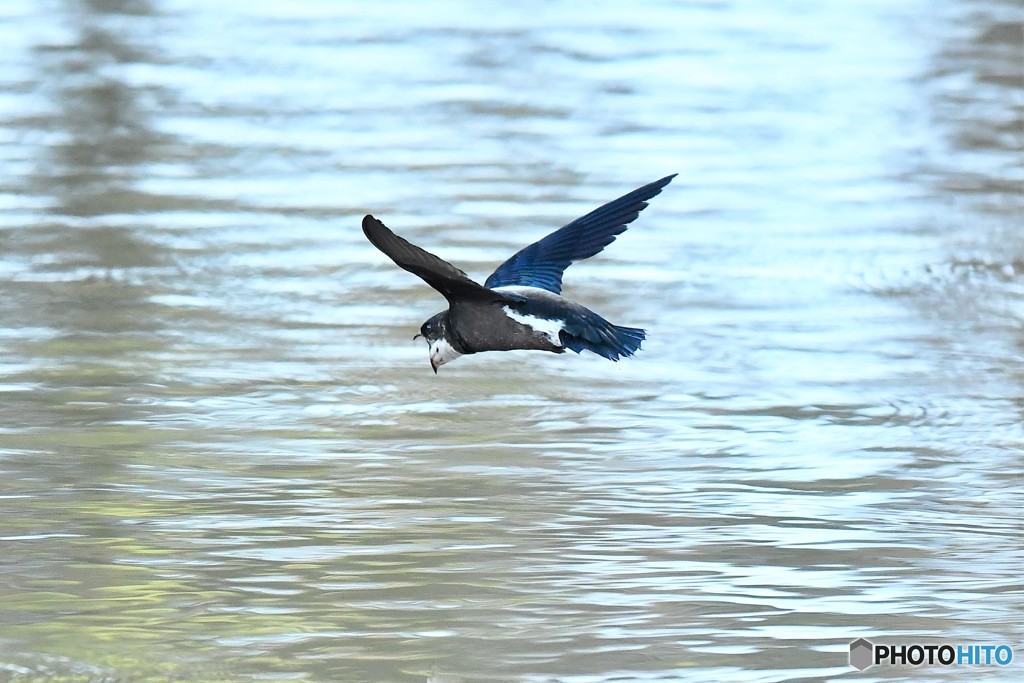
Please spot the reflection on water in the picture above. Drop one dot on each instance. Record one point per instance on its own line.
(223, 458)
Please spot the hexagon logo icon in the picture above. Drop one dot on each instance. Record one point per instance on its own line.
(861, 653)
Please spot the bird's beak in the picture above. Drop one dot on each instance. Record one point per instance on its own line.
(417, 337)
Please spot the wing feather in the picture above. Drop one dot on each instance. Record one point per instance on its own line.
(542, 263)
(451, 282)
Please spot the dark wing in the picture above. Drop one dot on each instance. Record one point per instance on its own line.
(542, 263)
(451, 282)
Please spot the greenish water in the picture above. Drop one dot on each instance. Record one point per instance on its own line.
(223, 458)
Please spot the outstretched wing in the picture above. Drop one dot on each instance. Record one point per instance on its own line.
(542, 263)
(451, 282)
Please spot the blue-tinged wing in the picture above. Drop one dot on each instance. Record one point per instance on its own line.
(542, 263)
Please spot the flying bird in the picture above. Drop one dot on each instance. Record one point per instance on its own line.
(520, 305)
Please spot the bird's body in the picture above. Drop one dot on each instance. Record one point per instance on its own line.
(520, 306)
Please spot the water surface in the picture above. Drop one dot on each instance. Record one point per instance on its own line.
(222, 457)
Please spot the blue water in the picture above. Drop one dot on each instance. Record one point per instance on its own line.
(222, 456)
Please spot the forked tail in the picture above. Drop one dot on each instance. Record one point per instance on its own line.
(594, 333)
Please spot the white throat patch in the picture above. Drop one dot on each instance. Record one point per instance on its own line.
(441, 352)
(549, 328)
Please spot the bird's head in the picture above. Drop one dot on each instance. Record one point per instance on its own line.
(435, 331)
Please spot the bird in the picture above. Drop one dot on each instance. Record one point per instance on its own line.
(520, 305)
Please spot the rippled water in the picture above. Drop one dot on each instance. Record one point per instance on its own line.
(223, 458)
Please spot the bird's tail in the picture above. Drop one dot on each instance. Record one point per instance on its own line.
(600, 336)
